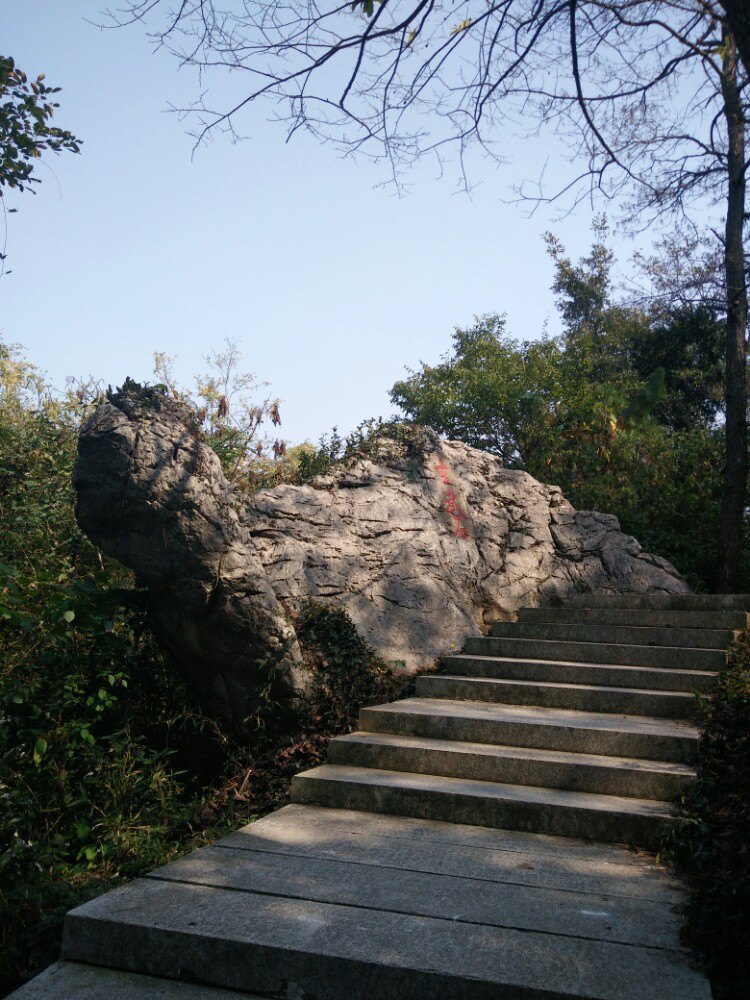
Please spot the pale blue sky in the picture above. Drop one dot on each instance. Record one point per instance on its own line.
(330, 285)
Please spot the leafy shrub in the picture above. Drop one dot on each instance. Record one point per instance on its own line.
(346, 673)
(712, 843)
(87, 791)
(107, 767)
(389, 441)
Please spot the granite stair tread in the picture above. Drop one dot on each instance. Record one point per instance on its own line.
(596, 674)
(523, 753)
(641, 617)
(630, 635)
(566, 717)
(625, 654)
(559, 694)
(631, 777)
(486, 789)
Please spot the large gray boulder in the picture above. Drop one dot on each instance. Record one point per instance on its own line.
(422, 541)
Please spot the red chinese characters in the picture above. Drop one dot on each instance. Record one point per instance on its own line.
(451, 504)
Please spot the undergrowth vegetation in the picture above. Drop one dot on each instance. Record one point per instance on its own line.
(108, 767)
(712, 844)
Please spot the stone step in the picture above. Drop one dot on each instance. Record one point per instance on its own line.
(539, 728)
(662, 602)
(583, 697)
(669, 657)
(263, 912)
(605, 674)
(384, 886)
(76, 981)
(349, 905)
(733, 620)
(529, 860)
(643, 779)
(608, 818)
(632, 635)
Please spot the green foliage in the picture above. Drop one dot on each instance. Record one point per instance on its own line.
(392, 442)
(643, 402)
(387, 441)
(107, 768)
(346, 673)
(298, 464)
(232, 418)
(621, 411)
(88, 786)
(25, 130)
(367, 6)
(689, 344)
(712, 844)
(492, 393)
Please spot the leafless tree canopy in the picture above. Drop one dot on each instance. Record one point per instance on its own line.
(633, 87)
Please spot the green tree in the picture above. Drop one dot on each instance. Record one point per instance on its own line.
(650, 98)
(26, 129)
(682, 333)
(613, 410)
(87, 793)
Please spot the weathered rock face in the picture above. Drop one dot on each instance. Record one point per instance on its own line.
(422, 545)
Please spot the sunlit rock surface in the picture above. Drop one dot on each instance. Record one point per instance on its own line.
(422, 543)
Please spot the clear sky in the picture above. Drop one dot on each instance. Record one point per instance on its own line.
(330, 285)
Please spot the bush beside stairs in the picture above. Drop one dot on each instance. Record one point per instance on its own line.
(461, 844)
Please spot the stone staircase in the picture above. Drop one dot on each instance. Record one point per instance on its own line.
(576, 720)
(433, 856)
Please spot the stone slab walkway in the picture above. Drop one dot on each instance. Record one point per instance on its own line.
(314, 902)
(432, 857)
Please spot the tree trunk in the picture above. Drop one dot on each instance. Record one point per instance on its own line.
(735, 474)
(738, 19)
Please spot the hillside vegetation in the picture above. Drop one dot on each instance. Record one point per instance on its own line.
(108, 767)
(623, 410)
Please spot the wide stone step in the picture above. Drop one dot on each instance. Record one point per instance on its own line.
(605, 674)
(531, 861)
(540, 728)
(76, 981)
(662, 602)
(484, 803)
(672, 658)
(340, 905)
(696, 638)
(733, 620)
(421, 893)
(587, 698)
(645, 779)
